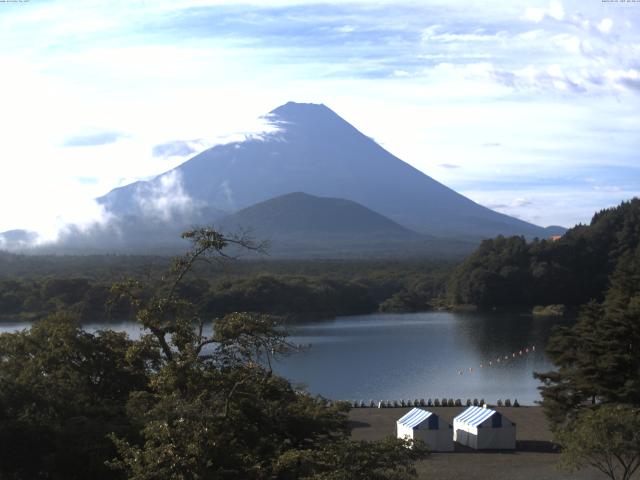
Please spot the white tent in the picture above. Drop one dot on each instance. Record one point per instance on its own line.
(482, 428)
(423, 425)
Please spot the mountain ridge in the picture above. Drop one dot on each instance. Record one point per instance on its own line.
(300, 212)
(312, 150)
(318, 152)
(301, 225)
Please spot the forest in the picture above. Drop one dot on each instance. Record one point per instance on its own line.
(32, 287)
(572, 270)
(175, 404)
(504, 272)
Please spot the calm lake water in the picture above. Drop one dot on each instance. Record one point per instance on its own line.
(408, 356)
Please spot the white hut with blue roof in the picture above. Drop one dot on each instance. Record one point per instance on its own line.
(484, 429)
(419, 424)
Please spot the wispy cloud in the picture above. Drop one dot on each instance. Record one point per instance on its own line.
(555, 83)
(88, 180)
(164, 197)
(179, 148)
(554, 11)
(94, 139)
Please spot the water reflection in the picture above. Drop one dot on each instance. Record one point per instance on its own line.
(392, 356)
(420, 355)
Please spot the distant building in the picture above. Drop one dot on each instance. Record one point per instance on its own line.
(423, 425)
(555, 238)
(484, 429)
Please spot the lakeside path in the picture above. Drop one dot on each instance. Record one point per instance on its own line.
(535, 456)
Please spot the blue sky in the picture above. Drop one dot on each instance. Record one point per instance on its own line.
(530, 108)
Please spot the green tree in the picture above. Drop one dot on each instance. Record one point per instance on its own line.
(597, 359)
(62, 391)
(191, 399)
(607, 439)
(215, 410)
(573, 270)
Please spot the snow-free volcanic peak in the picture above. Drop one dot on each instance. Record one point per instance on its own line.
(317, 152)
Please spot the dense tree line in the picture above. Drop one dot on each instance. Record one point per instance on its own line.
(571, 270)
(108, 268)
(598, 358)
(592, 398)
(175, 404)
(293, 295)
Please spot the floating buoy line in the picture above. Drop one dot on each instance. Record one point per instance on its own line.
(499, 360)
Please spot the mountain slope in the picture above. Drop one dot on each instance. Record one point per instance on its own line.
(302, 225)
(317, 152)
(300, 213)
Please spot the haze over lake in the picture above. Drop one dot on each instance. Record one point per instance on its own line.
(408, 356)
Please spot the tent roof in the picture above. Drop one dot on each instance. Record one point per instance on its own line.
(474, 416)
(414, 418)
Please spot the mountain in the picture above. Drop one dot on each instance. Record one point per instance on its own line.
(317, 152)
(302, 225)
(302, 214)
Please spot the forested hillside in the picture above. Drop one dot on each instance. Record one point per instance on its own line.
(32, 287)
(571, 270)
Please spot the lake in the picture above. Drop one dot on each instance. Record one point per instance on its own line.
(408, 356)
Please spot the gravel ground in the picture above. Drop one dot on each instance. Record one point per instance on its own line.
(536, 457)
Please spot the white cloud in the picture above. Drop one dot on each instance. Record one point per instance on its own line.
(571, 43)
(346, 29)
(506, 81)
(431, 34)
(605, 25)
(531, 35)
(555, 11)
(624, 79)
(520, 202)
(164, 197)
